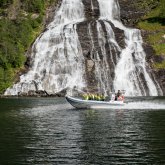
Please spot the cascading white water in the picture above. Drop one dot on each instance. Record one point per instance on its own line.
(132, 62)
(102, 68)
(58, 60)
(57, 54)
(92, 5)
(129, 68)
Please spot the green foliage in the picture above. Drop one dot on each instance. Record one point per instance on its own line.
(146, 6)
(156, 38)
(160, 65)
(12, 44)
(149, 26)
(154, 23)
(5, 3)
(17, 35)
(160, 48)
(157, 41)
(6, 77)
(15, 38)
(162, 9)
(33, 6)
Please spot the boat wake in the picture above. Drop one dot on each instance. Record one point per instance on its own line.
(143, 105)
(135, 106)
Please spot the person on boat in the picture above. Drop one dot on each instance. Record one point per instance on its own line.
(95, 96)
(118, 93)
(86, 97)
(119, 96)
(90, 96)
(113, 97)
(99, 97)
(102, 98)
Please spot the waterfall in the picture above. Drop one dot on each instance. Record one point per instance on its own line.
(130, 72)
(60, 58)
(57, 54)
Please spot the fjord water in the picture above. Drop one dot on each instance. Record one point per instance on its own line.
(48, 131)
(58, 60)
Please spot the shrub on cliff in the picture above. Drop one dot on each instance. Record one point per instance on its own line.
(162, 9)
(18, 29)
(5, 3)
(154, 23)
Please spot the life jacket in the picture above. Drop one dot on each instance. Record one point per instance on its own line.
(120, 98)
(93, 97)
(85, 97)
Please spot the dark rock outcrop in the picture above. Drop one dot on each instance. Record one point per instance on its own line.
(90, 43)
(129, 12)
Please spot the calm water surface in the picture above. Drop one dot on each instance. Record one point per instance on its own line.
(48, 131)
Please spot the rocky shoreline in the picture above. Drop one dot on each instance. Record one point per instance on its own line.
(39, 93)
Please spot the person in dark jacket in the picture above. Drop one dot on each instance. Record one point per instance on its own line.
(118, 93)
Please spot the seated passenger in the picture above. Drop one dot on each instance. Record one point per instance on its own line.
(118, 93)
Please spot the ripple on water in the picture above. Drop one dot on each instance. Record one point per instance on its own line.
(44, 131)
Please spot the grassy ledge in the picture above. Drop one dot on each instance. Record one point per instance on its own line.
(154, 24)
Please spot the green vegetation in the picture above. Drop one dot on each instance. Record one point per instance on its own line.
(162, 9)
(160, 65)
(5, 3)
(20, 23)
(146, 4)
(154, 24)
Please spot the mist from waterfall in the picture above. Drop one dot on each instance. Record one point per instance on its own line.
(59, 61)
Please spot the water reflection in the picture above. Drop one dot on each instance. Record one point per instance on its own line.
(115, 137)
(49, 131)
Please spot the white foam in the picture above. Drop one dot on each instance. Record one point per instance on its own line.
(132, 62)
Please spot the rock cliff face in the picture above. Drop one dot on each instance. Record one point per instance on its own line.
(130, 15)
(83, 47)
(89, 39)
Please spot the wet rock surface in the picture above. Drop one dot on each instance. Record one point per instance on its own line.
(91, 44)
(129, 12)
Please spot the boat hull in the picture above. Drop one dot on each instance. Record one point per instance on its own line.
(92, 104)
